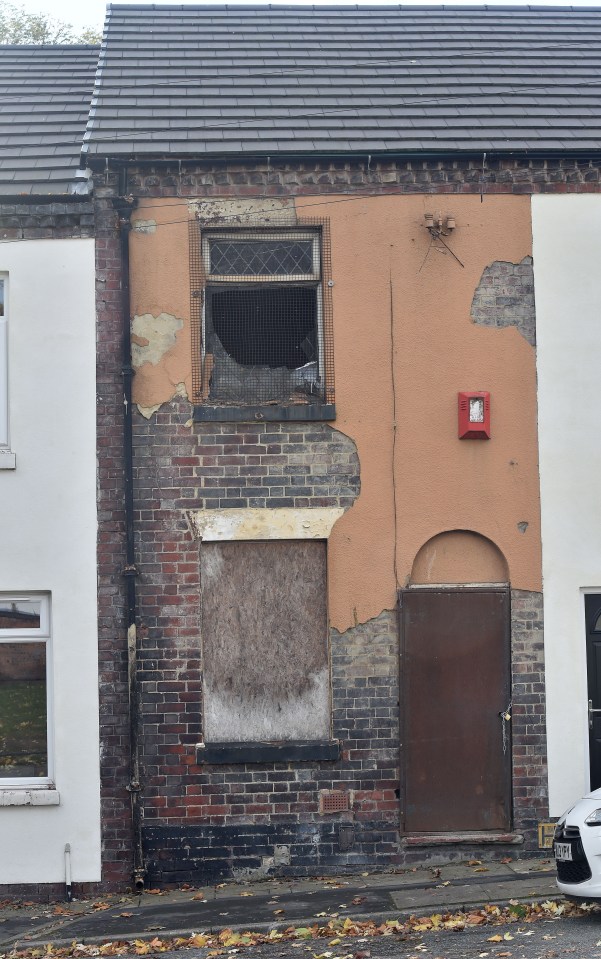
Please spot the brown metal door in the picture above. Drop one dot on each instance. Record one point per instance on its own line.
(456, 682)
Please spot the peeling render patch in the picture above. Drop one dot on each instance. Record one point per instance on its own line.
(505, 297)
(144, 226)
(148, 411)
(253, 209)
(152, 337)
(223, 525)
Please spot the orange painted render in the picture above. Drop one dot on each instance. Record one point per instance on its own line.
(404, 347)
(458, 557)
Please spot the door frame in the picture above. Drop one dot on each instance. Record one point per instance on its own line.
(584, 592)
(403, 718)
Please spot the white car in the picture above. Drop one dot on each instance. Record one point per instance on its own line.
(577, 848)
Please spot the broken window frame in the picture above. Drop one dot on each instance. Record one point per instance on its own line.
(23, 636)
(203, 281)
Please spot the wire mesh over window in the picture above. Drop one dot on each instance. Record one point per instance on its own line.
(264, 344)
(263, 316)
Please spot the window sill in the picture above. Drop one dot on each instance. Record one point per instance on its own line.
(294, 750)
(297, 412)
(22, 796)
(8, 460)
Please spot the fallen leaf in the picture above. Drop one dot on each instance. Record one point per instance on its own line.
(474, 862)
(481, 869)
(199, 895)
(124, 915)
(496, 938)
(247, 893)
(198, 941)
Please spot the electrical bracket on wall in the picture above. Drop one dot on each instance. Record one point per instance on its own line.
(474, 415)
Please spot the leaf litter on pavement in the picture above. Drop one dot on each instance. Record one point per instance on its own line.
(336, 930)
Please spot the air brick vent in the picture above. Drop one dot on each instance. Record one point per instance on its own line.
(333, 800)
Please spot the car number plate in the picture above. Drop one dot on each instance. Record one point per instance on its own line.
(563, 851)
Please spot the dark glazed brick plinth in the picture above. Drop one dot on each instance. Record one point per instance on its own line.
(204, 854)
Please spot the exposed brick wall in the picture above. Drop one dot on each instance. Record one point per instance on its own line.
(505, 297)
(221, 465)
(207, 822)
(20, 219)
(528, 729)
(294, 177)
(117, 856)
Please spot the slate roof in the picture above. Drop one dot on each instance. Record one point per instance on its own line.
(214, 80)
(45, 94)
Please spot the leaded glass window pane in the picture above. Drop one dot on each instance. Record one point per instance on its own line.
(279, 257)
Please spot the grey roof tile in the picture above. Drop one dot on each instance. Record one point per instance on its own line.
(204, 80)
(45, 94)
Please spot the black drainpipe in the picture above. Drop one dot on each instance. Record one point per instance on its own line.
(124, 206)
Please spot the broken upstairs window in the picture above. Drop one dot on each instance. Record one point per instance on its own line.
(262, 332)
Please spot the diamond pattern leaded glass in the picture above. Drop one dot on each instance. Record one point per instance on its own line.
(261, 257)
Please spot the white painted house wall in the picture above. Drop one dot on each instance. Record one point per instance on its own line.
(567, 274)
(48, 542)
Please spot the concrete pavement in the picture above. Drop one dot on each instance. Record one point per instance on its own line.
(277, 903)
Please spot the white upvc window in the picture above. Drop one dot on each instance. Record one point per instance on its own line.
(7, 457)
(25, 700)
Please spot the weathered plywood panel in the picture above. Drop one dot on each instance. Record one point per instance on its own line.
(264, 630)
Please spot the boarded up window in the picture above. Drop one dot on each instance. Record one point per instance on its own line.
(264, 629)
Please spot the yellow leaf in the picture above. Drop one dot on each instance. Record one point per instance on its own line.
(495, 939)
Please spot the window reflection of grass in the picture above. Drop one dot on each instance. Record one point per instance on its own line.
(23, 728)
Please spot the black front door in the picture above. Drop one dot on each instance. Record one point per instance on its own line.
(592, 605)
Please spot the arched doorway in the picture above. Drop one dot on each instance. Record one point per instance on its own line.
(456, 688)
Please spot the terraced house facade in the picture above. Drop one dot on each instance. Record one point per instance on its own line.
(335, 247)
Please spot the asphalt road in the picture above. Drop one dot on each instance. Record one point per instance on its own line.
(575, 938)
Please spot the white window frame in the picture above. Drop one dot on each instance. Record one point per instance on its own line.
(7, 457)
(41, 634)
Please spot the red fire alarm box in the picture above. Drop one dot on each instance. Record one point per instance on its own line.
(474, 416)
